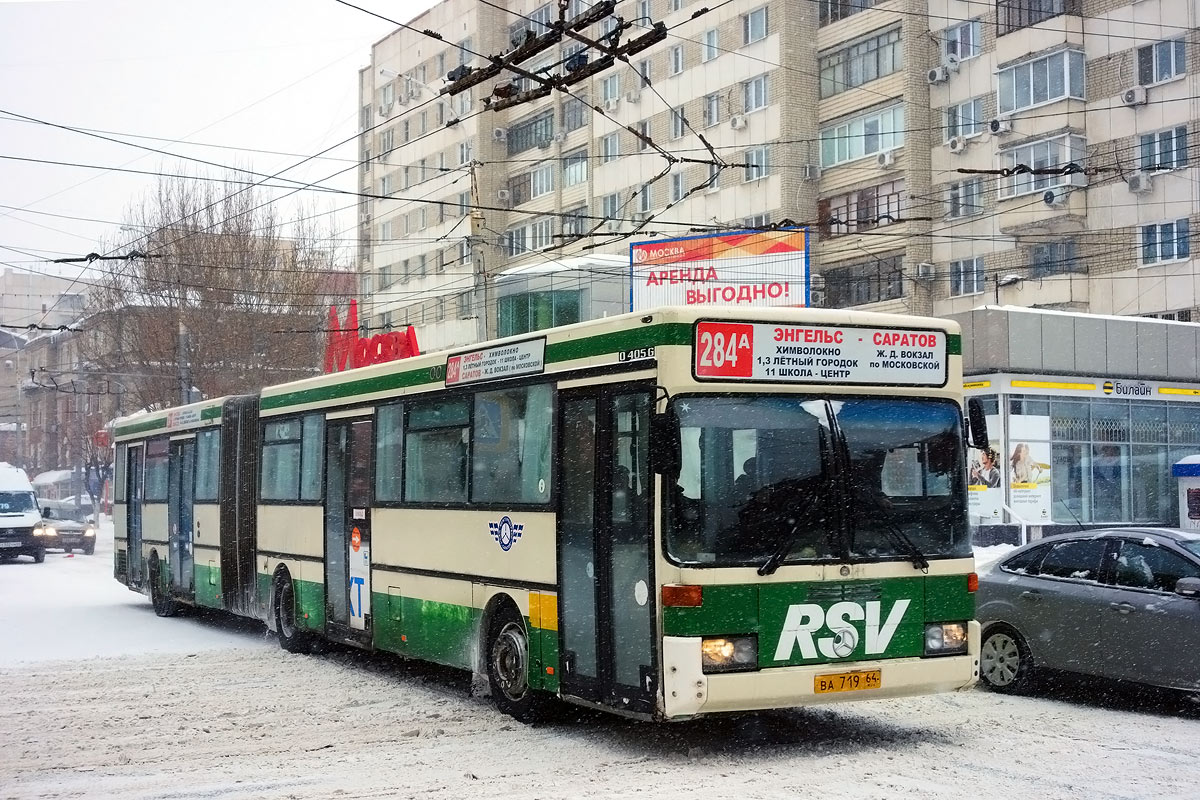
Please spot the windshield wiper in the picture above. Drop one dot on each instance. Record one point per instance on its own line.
(772, 563)
(919, 561)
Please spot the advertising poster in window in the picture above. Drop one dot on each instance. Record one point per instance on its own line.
(747, 269)
(1029, 467)
(985, 473)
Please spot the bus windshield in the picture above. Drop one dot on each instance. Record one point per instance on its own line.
(817, 479)
(17, 502)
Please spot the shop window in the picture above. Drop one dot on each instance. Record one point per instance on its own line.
(1110, 482)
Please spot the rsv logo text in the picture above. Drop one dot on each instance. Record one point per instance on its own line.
(804, 620)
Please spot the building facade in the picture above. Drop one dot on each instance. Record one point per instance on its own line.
(924, 143)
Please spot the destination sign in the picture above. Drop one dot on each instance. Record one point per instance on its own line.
(819, 354)
(503, 361)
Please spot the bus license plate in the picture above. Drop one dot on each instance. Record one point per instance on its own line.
(848, 681)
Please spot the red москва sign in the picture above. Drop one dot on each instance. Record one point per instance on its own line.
(345, 349)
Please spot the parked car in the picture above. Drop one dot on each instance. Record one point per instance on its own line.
(1114, 603)
(68, 526)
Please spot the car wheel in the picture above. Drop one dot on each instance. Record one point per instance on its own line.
(39, 556)
(1005, 663)
(508, 667)
(67, 550)
(291, 638)
(91, 548)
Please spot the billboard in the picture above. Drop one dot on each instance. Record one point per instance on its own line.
(742, 269)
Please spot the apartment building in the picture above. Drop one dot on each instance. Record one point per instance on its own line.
(900, 132)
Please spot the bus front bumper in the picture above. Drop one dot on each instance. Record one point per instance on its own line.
(687, 691)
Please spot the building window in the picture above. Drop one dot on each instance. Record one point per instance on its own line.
(879, 278)
(756, 164)
(965, 119)
(714, 177)
(862, 136)
(676, 59)
(1047, 154)
(678, 123)
(1166, 241)
(535, 311)
(754, 25)
(515, 241)
(862, 209)
(541, 234)
(966, 277)
(834, 10)
(574, 222)
(644, 71)
(964, 198)
(530, 133)
(674, 5)
(464, 252)
(754, 93)
(677, 190)
(710, 45)
(1042, 80)
(756, 221)
(963, 41)
(464, 203)
(712, 110)
(1164, 150)
(464, 152)
(1053, 258)
(541, 181)
(386, 186)
(575, 168)
(1013, 15)
(643, 128)
(860, 62)
(1161, 61)
(610, 206)
(574, 113)
(644, 198)
(610, 148)
(610, 88)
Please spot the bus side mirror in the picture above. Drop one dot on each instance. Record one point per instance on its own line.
(664, 442)
(977, 425)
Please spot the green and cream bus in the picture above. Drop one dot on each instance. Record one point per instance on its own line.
(663, 514)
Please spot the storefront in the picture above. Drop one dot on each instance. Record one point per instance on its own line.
(1073, 449)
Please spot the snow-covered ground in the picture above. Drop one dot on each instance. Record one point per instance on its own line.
(100, 698)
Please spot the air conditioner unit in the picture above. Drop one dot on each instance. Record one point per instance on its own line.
(1000, 125)
(1055, 198)
(926, 271)
(385, 109)
(402, 98)
(544, 143)
(1140, 182)
(950, 61)
(937, 75)
(633, 97)
(612, 225)
(956, 144)
(560, 137)
(885, 159)
(810, 172)
(503, 195)
(499, 134)
(612, 103)
(640, 216)
(1134, 96)
(737, 122)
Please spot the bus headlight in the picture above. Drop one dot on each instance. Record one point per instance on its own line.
(945, 638)
(729, 653)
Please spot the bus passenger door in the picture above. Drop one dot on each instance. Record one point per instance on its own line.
(348, 452)
(181, 490)
(133, 514)
(607, 611)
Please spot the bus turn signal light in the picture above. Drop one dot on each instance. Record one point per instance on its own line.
(678, 596)
(972, 583)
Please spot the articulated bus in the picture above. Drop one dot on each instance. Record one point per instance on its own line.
(664, 514)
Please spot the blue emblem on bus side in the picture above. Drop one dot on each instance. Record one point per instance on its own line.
(505, 532)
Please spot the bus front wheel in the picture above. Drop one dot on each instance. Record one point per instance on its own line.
(508, 667)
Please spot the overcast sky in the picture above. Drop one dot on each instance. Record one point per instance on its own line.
(276, 75)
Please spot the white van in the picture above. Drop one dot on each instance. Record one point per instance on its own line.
(21, 530)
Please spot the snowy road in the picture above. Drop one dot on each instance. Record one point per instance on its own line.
(103, 699)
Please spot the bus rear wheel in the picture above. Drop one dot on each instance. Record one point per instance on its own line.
(291, 638)
(164, 604)
(508, 667)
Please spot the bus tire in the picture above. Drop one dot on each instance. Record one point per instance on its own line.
(291, 638)
(164, 604)
(508, 666)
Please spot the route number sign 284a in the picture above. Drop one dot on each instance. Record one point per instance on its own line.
(819, 354)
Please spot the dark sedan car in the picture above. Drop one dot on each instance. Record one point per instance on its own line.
(68, 527)
(1116, 603)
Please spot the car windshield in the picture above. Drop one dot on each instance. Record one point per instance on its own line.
(17, 502)
(74, 513)
(817, 479)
